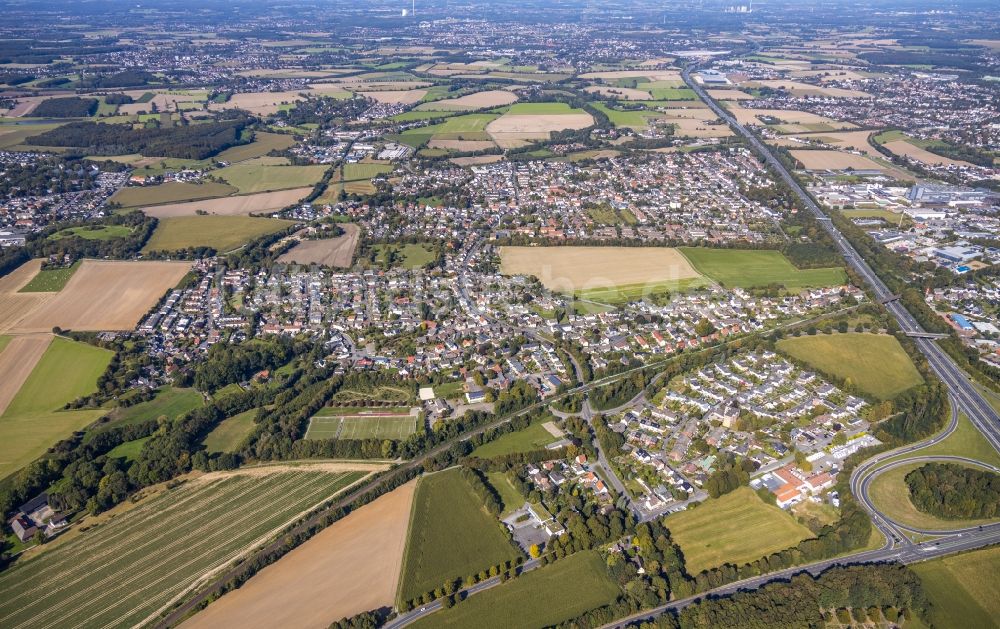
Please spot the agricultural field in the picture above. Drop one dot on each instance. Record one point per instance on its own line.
(735, 528)
(464, 127)
(95, 232)
(533, 121)
(172, 192)
(891, 495)
(238, 205)
(875, 363)
(16, 365)
(230, 432)
(33, 419)
(894, 218)
(750, 268)
(612, 273)
(349, 567)
(336, 252)
(534, 437)
(964, 590)
(259, 175)
(834, 160)
(14, 305)
(477, 100)
(50, 280)
(383, 423)
(544, 597)
(450, 536)
(263, 143)
(222, 233)
(124, 572)
(909, 149)
(105, 295)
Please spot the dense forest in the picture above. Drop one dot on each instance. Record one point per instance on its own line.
(196, 141)
(948, 490)
(69, 107)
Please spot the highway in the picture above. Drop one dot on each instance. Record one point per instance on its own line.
(969, 400)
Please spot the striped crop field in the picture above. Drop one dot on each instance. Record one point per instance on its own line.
(125, 572)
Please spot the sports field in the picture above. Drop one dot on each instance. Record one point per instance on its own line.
(347, 568)
(451, 535)
(741, 268)
(222, 233)
(735, 528)
(876, 363)
(34, 420)
(964, 590)
(122, 573)
(541, 598)
(371, 425)
(596, 272)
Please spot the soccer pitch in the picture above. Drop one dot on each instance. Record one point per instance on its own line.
(396, 427)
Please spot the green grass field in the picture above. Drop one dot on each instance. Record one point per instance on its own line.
(634, 292)
(876, 363)
(96, 232)
(741, 268)
(222, 233)
(170, 402)
(263, 143)
(5, 341)
(411, 255)
(50, 280)
(735, 528)
(171, 192)
(34, 421)
(534, 437)
(126, 569)
(964, 590)
(450, 536)
(450, 390)
(541, 598)
(511, 497)
(891, 495)
(464, 127)
(890, 217)
(228, 435)
(543, 109)
(965, 441)
(668, 90)
(129, 450)
(323, 426)
(633, 119)
(364, 170)
(259, 176)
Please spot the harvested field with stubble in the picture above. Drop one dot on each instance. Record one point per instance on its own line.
(127, 570)
(904, 148)
(834, 160)
(335, 252)
(478, 100)
(535, 126)
(222, 233)
(350, 567)
(583, 269)
(16, 362)
(105, 295)
(232, 206)
(14, 305)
